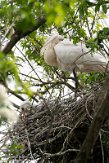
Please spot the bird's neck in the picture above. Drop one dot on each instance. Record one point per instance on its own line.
(50, 57)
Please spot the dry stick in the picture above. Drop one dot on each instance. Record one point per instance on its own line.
(50, 155)
(102, 112)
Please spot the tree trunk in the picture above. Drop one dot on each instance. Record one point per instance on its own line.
(102, 112)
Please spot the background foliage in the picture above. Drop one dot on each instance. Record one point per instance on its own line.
(24, 26)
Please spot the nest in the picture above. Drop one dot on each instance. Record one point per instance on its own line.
(55, 130)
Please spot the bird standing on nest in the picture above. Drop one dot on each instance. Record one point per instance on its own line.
(62, 53)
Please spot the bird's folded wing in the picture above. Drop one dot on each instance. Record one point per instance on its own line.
(70, 56)
(67, 52)
(79, 54)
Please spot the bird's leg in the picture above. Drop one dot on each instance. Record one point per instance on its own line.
(76, 81)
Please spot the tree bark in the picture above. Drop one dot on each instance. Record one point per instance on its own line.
(102, 112)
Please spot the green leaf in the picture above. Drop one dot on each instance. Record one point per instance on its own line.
(97, 7)
(104, 8)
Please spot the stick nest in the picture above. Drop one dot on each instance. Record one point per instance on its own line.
(55, 130)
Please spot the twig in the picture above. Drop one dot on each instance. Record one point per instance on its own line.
(49, 155)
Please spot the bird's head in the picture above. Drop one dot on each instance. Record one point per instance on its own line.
(52, 41)
(26, 106)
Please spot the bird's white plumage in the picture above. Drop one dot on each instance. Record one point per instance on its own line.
(69, 56)
(48, 49)
(7, 110)
(25, 105)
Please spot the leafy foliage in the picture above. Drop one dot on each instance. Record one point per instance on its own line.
(80, 20)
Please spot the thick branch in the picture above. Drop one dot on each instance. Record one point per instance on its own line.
(102, 108)
(18, 35)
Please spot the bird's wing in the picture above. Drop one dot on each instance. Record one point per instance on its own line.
(69, 55)
(68, 52)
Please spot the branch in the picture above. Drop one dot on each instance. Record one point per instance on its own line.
(19, 34)
(102, 112)
(15, 94)
(49, 155)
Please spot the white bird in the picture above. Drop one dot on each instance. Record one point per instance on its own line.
(26, 105)
(7, 110)
(62, 53)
